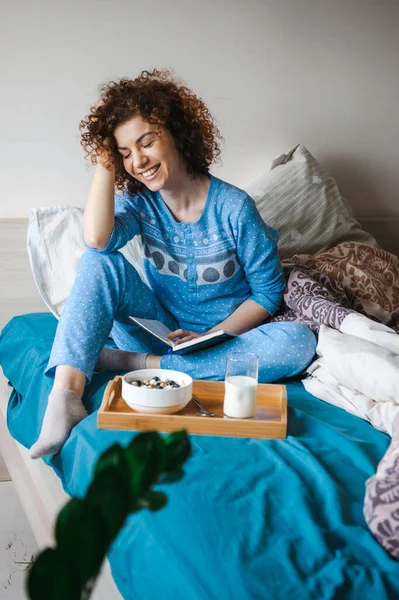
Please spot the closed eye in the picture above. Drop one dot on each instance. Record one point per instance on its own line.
(144, 146)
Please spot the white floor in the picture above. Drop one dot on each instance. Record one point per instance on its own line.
(18, 295)
(17, 544)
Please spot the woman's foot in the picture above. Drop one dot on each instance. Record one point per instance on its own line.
(64, 410)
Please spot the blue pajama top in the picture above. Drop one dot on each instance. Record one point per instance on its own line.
(202, 271)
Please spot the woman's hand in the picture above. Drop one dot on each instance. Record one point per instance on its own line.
(104, 153)
(104, 156)
(184, 335)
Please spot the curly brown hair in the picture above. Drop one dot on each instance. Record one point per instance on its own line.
(158, 99)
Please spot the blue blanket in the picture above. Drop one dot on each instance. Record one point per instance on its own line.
(251, 520)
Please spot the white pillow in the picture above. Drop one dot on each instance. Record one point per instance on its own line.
(55, 245)
(302, 201)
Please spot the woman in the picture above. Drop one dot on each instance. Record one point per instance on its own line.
(211, 261)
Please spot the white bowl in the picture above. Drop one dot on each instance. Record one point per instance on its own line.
(162, 402)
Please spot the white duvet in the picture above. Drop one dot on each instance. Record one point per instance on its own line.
(358, 370)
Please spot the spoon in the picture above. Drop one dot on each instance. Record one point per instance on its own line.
(203, 412)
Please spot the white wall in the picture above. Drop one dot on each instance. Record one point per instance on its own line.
(272, 72)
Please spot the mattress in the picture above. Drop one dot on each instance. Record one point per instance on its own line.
(251, 519)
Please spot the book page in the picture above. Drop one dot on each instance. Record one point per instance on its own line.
(155, 327)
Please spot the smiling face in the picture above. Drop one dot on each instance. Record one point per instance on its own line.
(143, 146)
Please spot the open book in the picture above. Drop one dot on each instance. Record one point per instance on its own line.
(161, 332)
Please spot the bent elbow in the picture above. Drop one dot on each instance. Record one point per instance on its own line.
(96, 243)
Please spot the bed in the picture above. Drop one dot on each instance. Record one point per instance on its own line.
(251, 519)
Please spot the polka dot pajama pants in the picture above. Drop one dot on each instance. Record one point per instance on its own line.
(108, 289)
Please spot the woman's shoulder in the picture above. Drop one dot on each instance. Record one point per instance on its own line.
(232, 197)
(240, 208)
(225, 187)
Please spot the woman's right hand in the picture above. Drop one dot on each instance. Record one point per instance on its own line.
(104, 154)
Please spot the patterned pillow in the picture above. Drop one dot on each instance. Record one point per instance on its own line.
(302, 201)
(381, 503)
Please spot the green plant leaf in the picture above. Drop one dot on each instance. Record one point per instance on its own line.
(153, 501)
(178, 449)
(114, 456)
(150, 454)
(86, 527)
(172, 476)
(80, 535)
(134, 479)
(111, 494)
(52, 577)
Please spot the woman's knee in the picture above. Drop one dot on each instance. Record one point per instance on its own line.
(99, 271)
(101, 264)
(303, 344)
(92, 257)
(295, 341)
(302, 332)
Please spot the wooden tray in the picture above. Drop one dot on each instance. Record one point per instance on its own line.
(270, 420)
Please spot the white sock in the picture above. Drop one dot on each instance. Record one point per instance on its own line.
(64, 410)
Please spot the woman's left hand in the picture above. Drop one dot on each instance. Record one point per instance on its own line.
(184, 335)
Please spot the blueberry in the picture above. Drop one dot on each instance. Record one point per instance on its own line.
(138, 382)
(175, 385)
(156, 379)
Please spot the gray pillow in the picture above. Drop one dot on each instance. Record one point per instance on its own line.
(302, 201)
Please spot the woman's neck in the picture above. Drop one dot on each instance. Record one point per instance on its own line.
(187, 204)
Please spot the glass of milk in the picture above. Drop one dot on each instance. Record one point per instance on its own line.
(241, 381)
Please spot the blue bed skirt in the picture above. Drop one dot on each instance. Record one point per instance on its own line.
(251, 520)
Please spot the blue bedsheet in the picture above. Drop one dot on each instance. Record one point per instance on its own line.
(251, 520)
